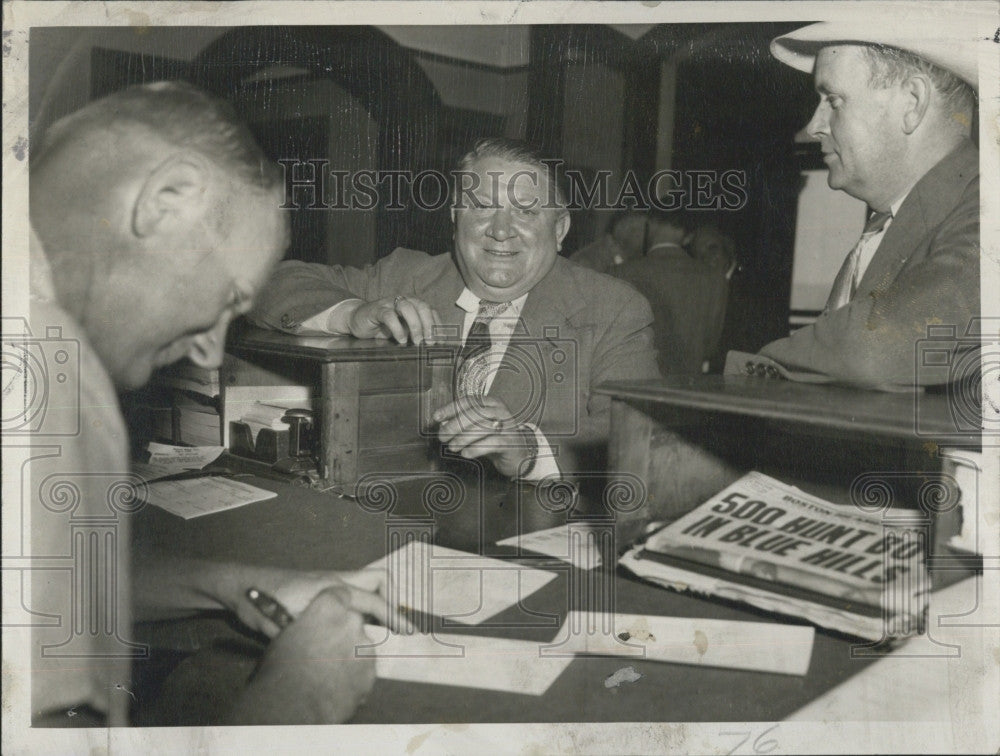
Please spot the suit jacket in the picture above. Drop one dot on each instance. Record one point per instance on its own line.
(577, 329)
(925, 272)
(601, 255)
(689, 303)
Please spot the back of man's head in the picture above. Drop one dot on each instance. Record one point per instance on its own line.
(954, 103)
(85, 159)
(158, 213)
(628, 228)
(175, 113)
(668, 226)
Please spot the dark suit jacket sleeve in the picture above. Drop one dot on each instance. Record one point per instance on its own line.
(298, 290)
(873, 340)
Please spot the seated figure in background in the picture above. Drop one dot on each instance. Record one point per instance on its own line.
(623, 242)
(688, 295)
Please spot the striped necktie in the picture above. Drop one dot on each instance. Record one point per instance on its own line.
(846, 282)
(474, 360)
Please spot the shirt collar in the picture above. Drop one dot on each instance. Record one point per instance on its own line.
(470, 303)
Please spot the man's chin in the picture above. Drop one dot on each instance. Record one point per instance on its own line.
(132, 378)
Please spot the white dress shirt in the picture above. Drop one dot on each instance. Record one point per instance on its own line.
(870, 245)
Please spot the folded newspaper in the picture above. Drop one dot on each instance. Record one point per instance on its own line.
(775, 547)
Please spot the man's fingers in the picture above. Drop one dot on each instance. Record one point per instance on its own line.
(445, 413)
(478, 422)
(375, 606)
(436, 324)
(390, 320)
(480, 447)
(420, 318)
(332, 599)
(481, 410)
(407, 310)
(373, 579)
(429, 319)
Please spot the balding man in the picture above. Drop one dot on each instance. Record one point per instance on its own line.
(157, 220)
(894, 120)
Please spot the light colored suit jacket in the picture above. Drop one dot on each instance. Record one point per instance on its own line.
(924, 273)
(577, 329)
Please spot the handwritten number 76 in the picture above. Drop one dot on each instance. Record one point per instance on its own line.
(759, 746)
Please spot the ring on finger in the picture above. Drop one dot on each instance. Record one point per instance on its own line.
(396, 301)
(497, 425)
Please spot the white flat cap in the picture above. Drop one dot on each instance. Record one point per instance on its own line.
(948, 46)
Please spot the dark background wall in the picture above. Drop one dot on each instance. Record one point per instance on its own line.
(686, 97)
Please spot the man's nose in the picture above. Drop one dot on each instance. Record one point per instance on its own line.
(819, 124)
(500, 226)
(208, 347)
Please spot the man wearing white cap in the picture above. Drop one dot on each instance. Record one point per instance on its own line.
(894, 120)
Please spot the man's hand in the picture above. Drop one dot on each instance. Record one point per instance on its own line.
(474, 427)
(310, 673)
(401, 318)
(364, 591)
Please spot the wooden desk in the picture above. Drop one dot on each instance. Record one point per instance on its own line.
(688, 438)
(374, 395)
(309, 530)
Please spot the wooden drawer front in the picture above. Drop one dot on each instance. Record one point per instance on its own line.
(387, 420)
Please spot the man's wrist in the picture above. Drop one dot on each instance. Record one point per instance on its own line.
(341, 318)
(527, 465)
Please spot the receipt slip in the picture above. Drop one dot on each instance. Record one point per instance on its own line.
(461, 587)
(574, 544)
(757, 646)
(511, 666)
(198, 497)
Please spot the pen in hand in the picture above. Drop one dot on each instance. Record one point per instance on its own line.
(270, 607)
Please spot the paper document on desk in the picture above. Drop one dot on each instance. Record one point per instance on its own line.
(180, 458)
(511, 666)
(572, 543)
(196, 497)
(456, 585)
(757, 646)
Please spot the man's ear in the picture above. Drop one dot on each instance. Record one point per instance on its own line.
(562, 228)
(173, 195)
(207, 348)
(917, 91)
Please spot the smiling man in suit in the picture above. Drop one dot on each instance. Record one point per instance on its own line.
(894, 120)
(535, 333)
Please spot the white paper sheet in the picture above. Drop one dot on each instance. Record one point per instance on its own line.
(180, 458)
(467, 661)
(196, 497)
(574, 544)
(456, 585)
(759, 646)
